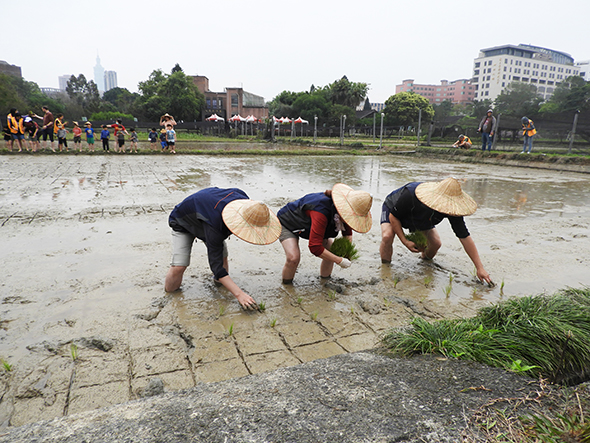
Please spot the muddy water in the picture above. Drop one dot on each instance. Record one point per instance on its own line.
(85, 247)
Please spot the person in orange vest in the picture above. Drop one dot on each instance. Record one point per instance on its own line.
(528, 130)
(17, 129)
(464, 142)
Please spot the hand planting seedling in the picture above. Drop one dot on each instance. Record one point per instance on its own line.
(342, 247)
(418, 238)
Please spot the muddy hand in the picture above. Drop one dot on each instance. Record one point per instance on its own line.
(247, 303)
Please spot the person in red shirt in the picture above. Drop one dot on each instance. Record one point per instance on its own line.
(319, 217)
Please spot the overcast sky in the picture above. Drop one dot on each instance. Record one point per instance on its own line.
(270, 46)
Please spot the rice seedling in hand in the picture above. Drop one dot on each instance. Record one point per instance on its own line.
(418, 238)
(342, 247)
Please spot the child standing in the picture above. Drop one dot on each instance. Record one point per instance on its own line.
(89, 130)
(153, 137)
(163, 139)
(104, 136)
(170, 137)
(121, 141)
(77, 131)
(59, 129)
(134, 139)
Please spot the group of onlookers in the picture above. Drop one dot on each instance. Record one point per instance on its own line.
(24, 133)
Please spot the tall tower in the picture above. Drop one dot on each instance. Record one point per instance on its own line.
(99, 75)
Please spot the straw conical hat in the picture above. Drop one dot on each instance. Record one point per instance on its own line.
(353, 206)
(447, 197)
(251, 221)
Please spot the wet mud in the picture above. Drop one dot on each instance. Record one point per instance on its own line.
(85, 323)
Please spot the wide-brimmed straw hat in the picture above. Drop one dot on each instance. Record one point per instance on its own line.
(447, 197)
(251, 221)
(353, 206)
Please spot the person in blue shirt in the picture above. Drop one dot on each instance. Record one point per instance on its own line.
(420, 207)
(212, 215)
(104, 137)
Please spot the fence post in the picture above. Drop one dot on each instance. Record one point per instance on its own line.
(381, 134)
(419, 126)
(374, 115)
(430, 127)
(569, 151)
(496, 133)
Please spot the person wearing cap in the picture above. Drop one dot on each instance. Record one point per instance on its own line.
(166, 120)
(464, 142)
(487, 127)
(212, 215)
(528, 130)
(318, 217)
(420, 207)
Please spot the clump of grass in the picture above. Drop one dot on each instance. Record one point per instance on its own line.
(447, 290)
(343, 247)
(299, 300)
(230, 330)
(427, 280)
(273, 322)
(262, 306)
(332, 295)
(548, 335)
(418, 238)
(314, 315)
(221, 310)
(7, 366)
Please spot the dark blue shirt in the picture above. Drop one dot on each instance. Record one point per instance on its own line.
(200, 215)
(293, 217)
(416, 216)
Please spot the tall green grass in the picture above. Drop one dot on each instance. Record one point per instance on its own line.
(547, 335)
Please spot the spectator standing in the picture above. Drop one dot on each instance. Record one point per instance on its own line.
(487, 127)
(104, 137)
(89, 131)
(170, 137)
(528, 130)
(47, 127)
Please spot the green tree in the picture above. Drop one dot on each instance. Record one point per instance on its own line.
(83, 94)
(443, 110)
(175, 94)
(282, 104)
(121, 99)
(571, 95)
(479, 108)
(16, 92)
(176, 68)
(402, 109)
(518, 99)
(347, 93)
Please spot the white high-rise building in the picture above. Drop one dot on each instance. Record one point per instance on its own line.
(497, 67)
(63, 82)
(99, 75)
(584, 69)
(110, 80)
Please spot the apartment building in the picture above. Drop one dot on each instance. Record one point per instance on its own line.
(458, 91)
(497, 67)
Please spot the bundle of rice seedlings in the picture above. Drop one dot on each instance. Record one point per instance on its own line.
(342, 247)
(549, 335)
(418, 238)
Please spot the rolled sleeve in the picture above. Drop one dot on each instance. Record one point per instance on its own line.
(215, 246)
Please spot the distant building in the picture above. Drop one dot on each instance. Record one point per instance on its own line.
(584, 67)
(230, 102)
(378, 106)
(6, 68)
(63, 82)
(99, 75)
(457, 92)
(497, 67)
(110, 80)
(52, 92)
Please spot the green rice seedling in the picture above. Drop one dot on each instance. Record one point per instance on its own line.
(273, 322)
(451, 278)
(332, 295)
(396, 280)
(427, 280)
(221, 310)
(299, 300)
(7, 366)
(74, 351)
(549, 335)
(342, 247)
(230, 330)
(314, 315)
(502, 287)
(474, 292)
(352, 310)
(418, 238)
(262, 306)
(447, 290)
(387, 302)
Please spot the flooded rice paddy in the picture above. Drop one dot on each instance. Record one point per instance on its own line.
(85, 322)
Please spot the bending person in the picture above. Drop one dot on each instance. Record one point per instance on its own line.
(318, 218)
(421, 206)
(212, 215)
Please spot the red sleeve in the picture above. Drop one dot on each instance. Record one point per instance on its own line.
(319, 223)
